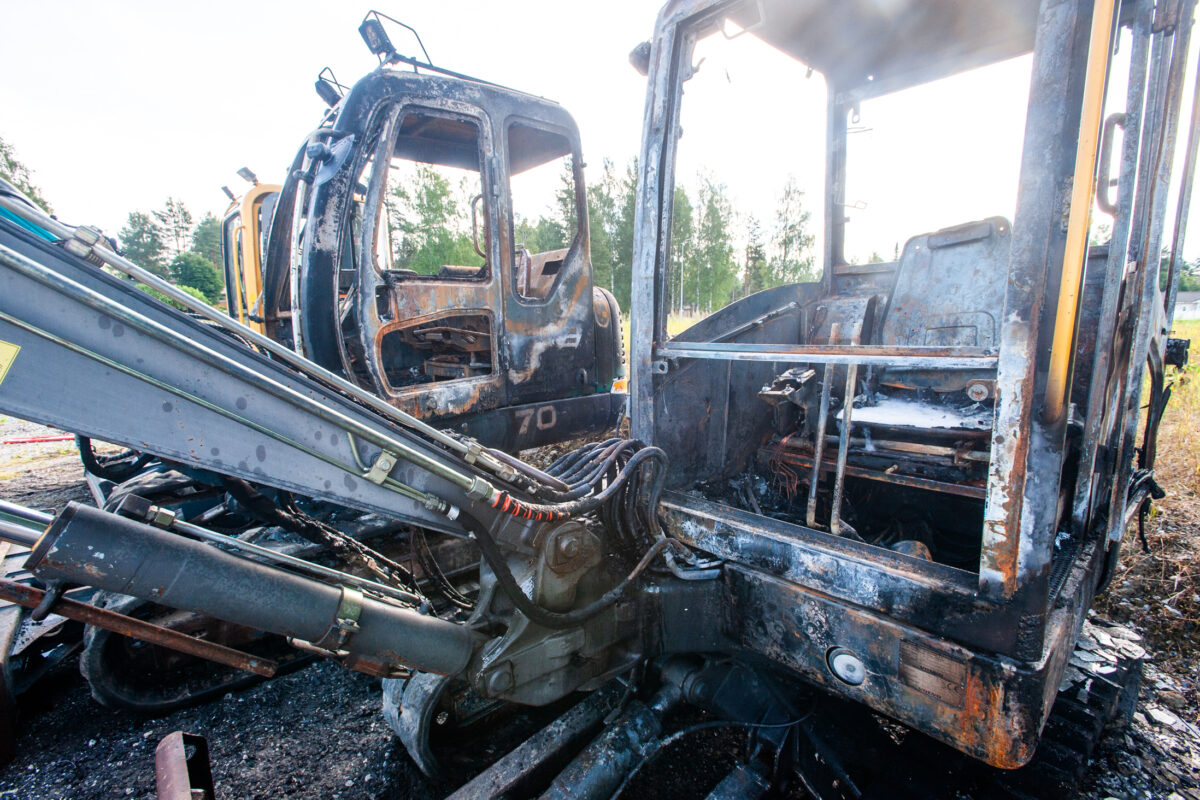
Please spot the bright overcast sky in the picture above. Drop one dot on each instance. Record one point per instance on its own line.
(117, 106)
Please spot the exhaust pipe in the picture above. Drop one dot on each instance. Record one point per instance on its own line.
(88, 546)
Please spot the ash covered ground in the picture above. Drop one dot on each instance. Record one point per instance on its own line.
(319, 733)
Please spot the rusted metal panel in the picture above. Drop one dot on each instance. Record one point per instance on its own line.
(1019, 512)
(991, 708)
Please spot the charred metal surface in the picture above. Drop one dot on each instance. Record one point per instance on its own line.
(937, 570)
(522, 328)
(181, 768)
(520, 427)
(989, 707)
(528, 761)
(948, 415)
(909, 589)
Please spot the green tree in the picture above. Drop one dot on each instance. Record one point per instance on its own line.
(19, 175)
(194, 292)
(538, 237)
(717, 275)
(196, 271)
(758, 273)
(793, 257)
(432, 223)
(175, 226)
(683, 251)
(142, 243)
(206, 239)
(1189, 276)
(622, 235)
(603, 220)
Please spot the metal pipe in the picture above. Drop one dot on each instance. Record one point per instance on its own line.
(1082, 189)
(1166, 101)
(961, 489)
(31, 597)
(528, 470)
(746, 781)
(18, 534)
(297, 563)
(33, 515)
(839, 477)
(1115, 269)
(506, 777)
(116, 554)
(271, 346)
(878, 355)
(914, 448)
(810, 516)
(1184, 204)
(600, 767)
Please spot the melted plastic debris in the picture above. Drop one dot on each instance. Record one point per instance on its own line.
(895, 413)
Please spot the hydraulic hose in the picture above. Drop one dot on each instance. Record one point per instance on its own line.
(521, 508)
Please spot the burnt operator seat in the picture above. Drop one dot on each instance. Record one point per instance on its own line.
(949, 292)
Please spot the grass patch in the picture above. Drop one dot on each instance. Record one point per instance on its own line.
(1159, 590)
(675, 326)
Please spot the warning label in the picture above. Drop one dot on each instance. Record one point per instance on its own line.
(8, 354)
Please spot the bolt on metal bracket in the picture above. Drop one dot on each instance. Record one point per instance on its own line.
(382, 467)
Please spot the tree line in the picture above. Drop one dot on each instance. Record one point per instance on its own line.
(170, 244)
(429, 217)
(166, 242)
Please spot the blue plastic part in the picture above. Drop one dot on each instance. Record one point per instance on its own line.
(27, 225)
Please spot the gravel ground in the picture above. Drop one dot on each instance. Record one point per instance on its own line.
(43, 474)
(319, 732)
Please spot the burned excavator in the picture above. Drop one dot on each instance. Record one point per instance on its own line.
(513, 348)
(883, 498)
(511, 357)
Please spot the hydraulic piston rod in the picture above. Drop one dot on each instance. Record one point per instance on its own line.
(116, 554)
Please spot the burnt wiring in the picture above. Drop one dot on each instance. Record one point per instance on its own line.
(661, 744)
(424, 556)
(116, 468)
(291, 518)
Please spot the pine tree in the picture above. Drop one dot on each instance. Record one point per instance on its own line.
(142, 243)
(758, 276)
(717, 276)
(793, 258)
(206, 240)
(684, 283)
(603, 220)
(175, 226)
(622, 238)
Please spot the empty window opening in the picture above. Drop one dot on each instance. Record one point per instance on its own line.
(446, 348)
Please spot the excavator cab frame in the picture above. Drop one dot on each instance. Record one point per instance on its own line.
(1011, 412)
(244, 230)
(516, 349)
